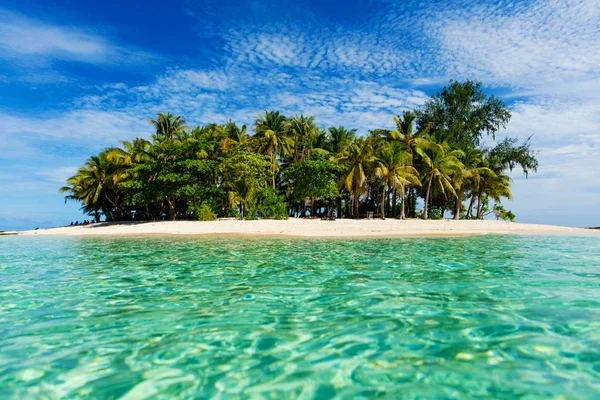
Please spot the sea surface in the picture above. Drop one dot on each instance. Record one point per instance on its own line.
(498, 317)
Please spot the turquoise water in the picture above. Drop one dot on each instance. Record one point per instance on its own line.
(485, 317)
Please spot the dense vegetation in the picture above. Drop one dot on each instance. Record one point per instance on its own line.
(292, 166)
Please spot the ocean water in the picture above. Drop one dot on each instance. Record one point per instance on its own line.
(499, 317)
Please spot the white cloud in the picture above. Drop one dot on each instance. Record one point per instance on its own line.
(92, 126)
(523, 45)
(27, 41)
(567, 133)
(57, 175)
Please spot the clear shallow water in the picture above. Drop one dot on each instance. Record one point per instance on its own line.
(495, 317)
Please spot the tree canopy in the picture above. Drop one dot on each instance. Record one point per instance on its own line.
(444, 153)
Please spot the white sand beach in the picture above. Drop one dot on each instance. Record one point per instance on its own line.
(316, 228)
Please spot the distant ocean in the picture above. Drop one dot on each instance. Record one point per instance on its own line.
(488, 316)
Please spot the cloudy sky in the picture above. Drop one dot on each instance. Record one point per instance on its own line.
(79, 76)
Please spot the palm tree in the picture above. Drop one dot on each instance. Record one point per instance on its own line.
(341, 138)
(404, 131)
(357, 159)
(168, 126)
(472, 174)
(301, 130)
(394, 167)
(271, 130)
(439, 165)
(495, 186)
(234, 134)
(132, 153)
(96, 185)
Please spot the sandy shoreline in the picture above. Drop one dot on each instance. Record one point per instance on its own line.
(341, 228)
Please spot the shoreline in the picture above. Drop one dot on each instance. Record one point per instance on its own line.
(313, 228)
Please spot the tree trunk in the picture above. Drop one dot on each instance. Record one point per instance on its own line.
(479, 206)
(470, 209)
(411, 205)
(388, 202)
(394, 195)
(457, 207)
(312, 207)
(171, 208)
(356, 196)
(427, 200)
(273, 167)
(402, 197)
(383, 202)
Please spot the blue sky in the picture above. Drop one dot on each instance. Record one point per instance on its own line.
(76, 77)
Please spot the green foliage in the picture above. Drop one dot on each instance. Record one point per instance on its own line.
(435, 213)
(501, 213)
(461, 113)
(433, 153)
(251, 214)
(313, 179)
(205, 213)
(244, 174)
(508, 154)
(268, 204)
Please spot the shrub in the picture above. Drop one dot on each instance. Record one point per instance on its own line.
(435, 213)
(251, 214)
(205, 213)
(269, 205)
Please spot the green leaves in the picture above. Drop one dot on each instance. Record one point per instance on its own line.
(313, 179)
(461, 113)
(434, 152)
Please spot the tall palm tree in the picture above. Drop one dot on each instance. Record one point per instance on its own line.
(301, 131)
(234, 134)
(271, 130)
(318, 143)
(405, 132)
(357, 159)
(168, 126)
(394, 167)
(341, 138)
(440, 163)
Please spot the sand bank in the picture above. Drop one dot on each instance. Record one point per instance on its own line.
(316, 228)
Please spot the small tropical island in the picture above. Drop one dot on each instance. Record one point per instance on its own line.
(444, 155)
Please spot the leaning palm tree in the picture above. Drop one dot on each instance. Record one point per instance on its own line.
(394, 167)
(271, 131)
(357, 159)
(494, 186)
(168, 126)
(440, 163)
(96, 185)
(473, 173)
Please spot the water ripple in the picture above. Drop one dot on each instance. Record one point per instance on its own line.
(494, 317)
